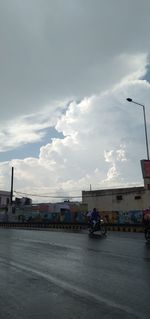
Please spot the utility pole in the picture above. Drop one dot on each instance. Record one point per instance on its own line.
(12, 182)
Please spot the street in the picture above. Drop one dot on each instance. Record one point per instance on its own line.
(54, 274)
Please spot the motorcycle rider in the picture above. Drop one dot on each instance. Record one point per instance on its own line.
(94, 217)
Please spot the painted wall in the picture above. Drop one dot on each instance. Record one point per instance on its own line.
(59, 213)
(123, 217)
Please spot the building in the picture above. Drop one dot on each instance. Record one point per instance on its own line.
(122, 205)
(4, 198)
(120, 199)
(119, 206)
(23, 201)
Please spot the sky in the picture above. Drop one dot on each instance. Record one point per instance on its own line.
(66, 69)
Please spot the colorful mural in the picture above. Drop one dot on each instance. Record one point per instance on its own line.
(49, 213)
(69, 212)
(123, 217)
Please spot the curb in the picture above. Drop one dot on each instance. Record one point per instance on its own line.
(132, 229)
(74, 227)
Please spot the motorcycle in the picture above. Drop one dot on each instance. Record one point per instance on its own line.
(98, 226)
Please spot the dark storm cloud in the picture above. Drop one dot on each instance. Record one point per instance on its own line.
(147, 74)
(56, 49)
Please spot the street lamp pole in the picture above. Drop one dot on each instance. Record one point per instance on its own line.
(145, 126)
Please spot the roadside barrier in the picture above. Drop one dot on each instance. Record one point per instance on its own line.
(126, 228)
(70, 226)
(56, 226)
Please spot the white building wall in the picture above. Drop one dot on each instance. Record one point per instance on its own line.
(125, 199)
(4, 198)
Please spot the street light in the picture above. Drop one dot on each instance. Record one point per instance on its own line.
(146, 138)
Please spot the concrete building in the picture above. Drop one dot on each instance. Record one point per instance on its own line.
(4, 198)
(120, 199)
(120, 206)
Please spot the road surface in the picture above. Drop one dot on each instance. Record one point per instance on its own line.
(53, 274)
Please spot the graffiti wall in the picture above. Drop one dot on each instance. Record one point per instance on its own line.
(123, 217)
(49, 213)
(69, 212)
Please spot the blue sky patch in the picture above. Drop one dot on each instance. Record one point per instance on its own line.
(30, 149)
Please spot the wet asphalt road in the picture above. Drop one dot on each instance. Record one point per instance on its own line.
(47, 274)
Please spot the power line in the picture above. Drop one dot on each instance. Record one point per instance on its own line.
(93, 193)
(46, 196)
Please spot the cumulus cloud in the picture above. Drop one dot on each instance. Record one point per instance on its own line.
(112, 157)
(103, 144)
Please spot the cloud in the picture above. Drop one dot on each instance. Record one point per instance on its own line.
(103, 144)
(56, 50)
(28, 129)
(71, 66)
(113, 157)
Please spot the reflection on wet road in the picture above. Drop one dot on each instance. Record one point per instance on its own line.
(46, 274)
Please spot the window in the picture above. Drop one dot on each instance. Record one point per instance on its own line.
(119, 197)
(137, 197)
(7, 200)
